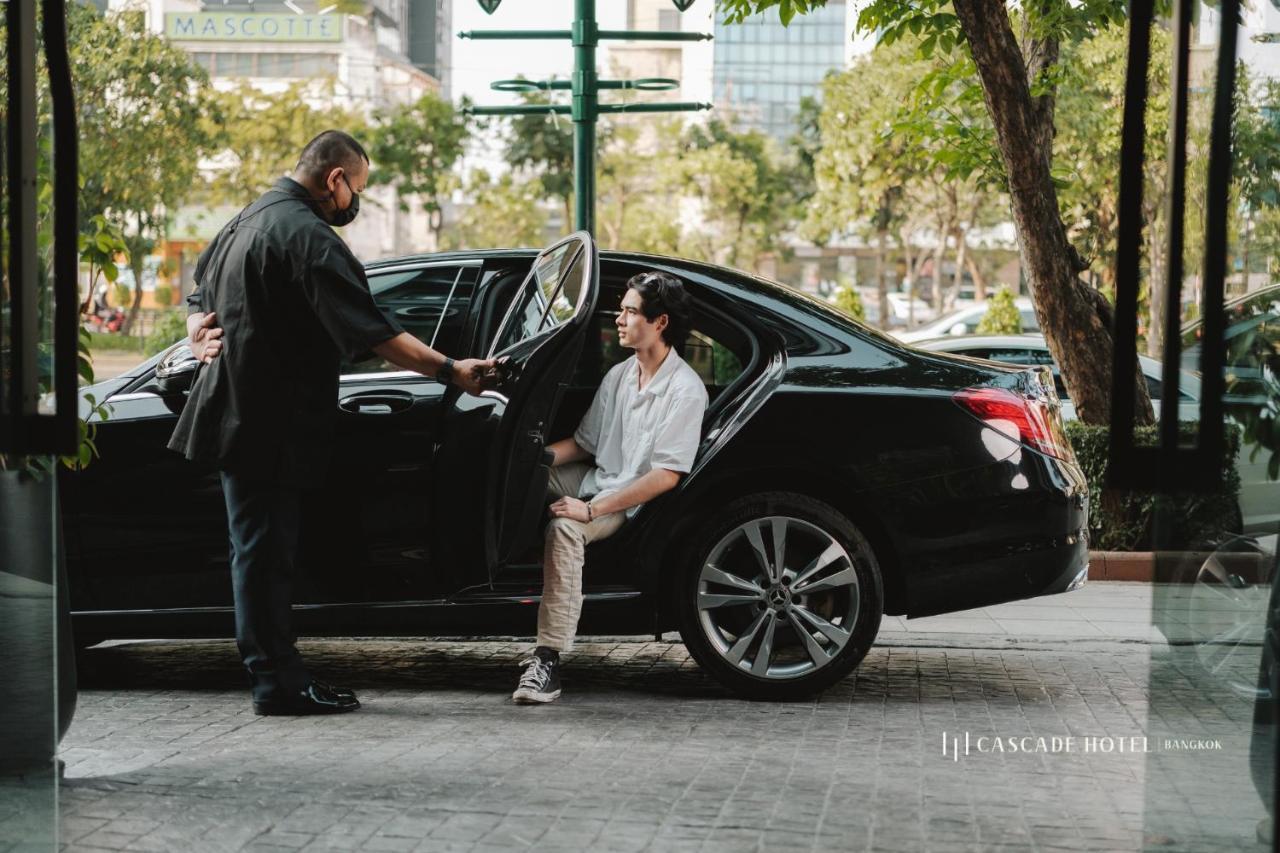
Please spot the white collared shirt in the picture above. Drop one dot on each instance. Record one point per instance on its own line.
(631, 431)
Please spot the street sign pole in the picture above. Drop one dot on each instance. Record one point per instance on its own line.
(585, 101)
(585, 87)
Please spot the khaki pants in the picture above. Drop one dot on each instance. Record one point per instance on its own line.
(562, 558)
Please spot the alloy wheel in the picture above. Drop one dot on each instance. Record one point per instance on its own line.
(778, 597)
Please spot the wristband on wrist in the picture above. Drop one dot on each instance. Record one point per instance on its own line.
(445, 373)
(590, 514)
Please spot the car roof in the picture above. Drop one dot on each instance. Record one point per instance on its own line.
(1270, 289)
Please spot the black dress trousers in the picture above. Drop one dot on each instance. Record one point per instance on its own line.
(263, 518)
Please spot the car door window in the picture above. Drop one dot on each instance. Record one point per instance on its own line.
(429, 303)
(548, 298)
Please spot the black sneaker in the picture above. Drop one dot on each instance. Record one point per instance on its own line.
(540, 682)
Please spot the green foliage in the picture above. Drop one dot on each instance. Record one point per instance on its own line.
(744, 187)
(1121, 520)
(144, 113)
(637, 189)
(100, 244)
(415, 147)
(113, 342)
(1002, 317)
(503, 212)
(542, 146)
(262, 133)
(170, 327)
(164, 295)
(847, 300)
(121, 293)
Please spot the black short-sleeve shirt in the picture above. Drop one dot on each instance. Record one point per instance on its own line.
(292, 301)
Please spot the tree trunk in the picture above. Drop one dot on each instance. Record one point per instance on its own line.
(1156, 291)
(1070, 315)
(135, 263)
(882, 285)
(979, 283)
(908, 261)
(962, 247)
(939, 252)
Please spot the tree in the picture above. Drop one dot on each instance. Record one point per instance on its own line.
(144, 110)
(261, 133)
(638, 189)
(1019, 83)
(745, 190)
(502, 212)
(1087, 154)
(415, 148)
(542, 145)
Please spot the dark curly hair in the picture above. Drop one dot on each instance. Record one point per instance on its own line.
(662, 293)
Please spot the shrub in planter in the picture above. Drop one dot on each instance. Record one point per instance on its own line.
(164, 295)
(1002, 317)
(1120, 520)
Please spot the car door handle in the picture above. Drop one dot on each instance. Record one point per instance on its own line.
(377, 403)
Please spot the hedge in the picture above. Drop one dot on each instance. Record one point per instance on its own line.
(1121, 520)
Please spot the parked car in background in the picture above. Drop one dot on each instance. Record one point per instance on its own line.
(1034, 350)
(964, 321)
(824, 446)
(1251, 399)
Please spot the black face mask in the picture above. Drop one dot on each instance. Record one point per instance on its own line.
(346, 215)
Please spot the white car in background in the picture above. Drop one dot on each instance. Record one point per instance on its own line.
(1033, 350)
(964, 321)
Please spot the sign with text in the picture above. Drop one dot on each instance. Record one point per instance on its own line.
(239, 26)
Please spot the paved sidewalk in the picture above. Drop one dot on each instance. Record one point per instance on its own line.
(644, 752)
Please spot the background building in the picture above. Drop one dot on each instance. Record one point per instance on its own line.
(762, 69)
(374, 60)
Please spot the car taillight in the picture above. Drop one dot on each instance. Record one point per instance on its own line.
(1038, 422)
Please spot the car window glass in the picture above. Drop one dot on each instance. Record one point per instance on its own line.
(1029, 321)
(548, 297)
(714, 362)
(429, 303)
(1014, 355)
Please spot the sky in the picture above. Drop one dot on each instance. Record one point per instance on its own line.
(476, 64)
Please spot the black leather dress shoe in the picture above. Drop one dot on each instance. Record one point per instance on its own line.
(315, 698)
(336, 691)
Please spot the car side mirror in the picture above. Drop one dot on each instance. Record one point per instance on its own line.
(176, 371)
(957, 329)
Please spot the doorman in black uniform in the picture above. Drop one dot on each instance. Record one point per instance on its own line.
(280, 300)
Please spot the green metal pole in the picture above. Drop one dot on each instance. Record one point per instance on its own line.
(585, 109)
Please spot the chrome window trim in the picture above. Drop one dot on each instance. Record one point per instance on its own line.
(132, 395)
(390, 374)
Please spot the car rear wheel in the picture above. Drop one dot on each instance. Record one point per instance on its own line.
(782, 597)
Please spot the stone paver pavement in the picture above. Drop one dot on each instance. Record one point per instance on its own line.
(644, 752)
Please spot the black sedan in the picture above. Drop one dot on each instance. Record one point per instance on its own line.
(842, 475)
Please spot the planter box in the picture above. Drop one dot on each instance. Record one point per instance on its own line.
(1173, 566)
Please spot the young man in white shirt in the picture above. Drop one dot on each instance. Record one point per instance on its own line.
(643, 430)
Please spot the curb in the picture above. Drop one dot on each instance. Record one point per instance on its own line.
(1172, 566)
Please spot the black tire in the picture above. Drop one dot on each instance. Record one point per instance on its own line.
(804, 519)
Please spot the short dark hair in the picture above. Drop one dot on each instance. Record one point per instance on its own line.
(328, 151)
(662, 293)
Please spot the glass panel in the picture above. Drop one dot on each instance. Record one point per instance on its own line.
(429, 304)
(548, 297)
